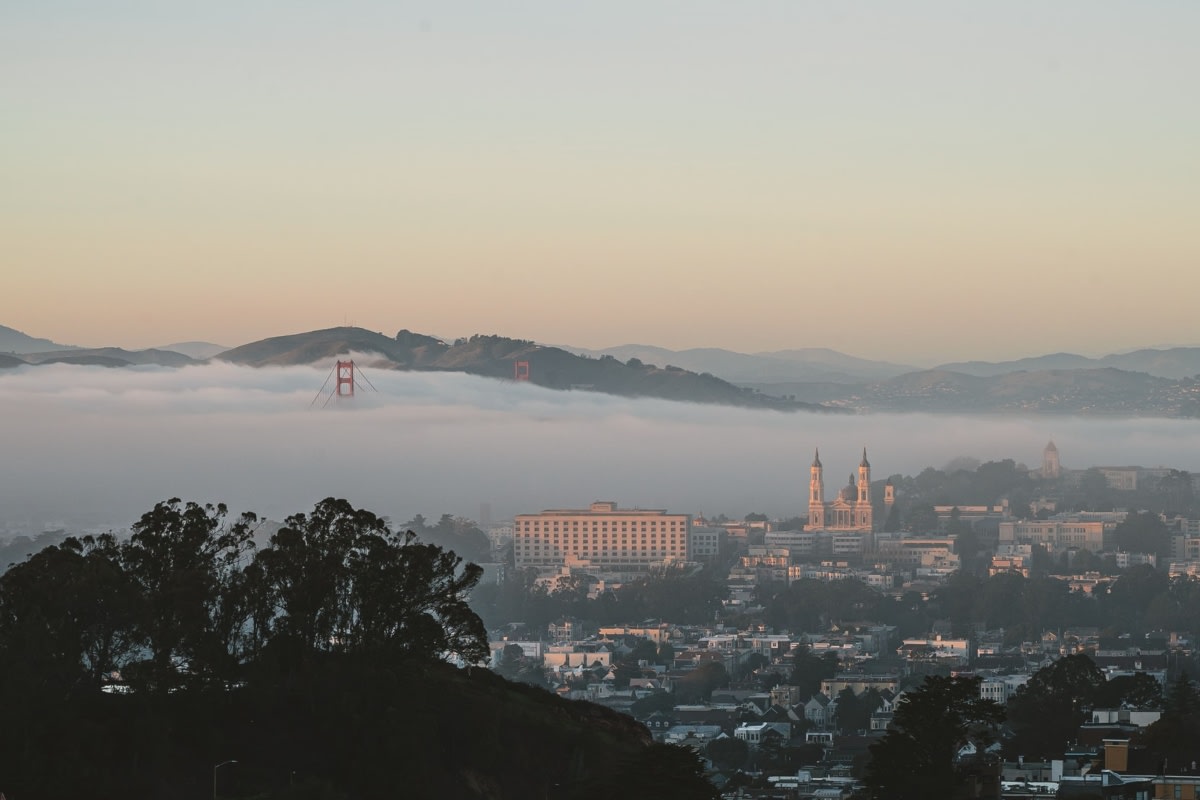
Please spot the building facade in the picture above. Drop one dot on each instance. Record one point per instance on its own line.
(603, 537)
(1065, 533)
(705, 542)
(851, 509)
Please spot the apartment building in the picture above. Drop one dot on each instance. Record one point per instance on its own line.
(602, 537)
(1077, 532)
(910, 552)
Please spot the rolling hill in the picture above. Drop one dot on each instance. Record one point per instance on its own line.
(15, 342)
(1175, 362)
(808, 364)
(493, 357)
(1105, 391)
(197, 350)
(110, 357)
(1148, 382)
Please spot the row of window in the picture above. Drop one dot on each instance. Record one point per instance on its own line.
(575, 537)
(585, 551)
(600, 526)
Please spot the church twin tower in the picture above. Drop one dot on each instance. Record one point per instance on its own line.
(851, 510)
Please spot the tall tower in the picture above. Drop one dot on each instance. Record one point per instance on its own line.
(863, 513)
(816, 493)
(864, 479)
(1050, 467)
(345, 379)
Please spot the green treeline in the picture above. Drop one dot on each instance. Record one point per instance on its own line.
(1140, 600)
(919, 756)
(318, 663)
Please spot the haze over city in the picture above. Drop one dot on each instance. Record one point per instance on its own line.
(99, 447)
(919, 182)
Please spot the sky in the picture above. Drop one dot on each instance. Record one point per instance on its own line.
(98, 447)
(920, 182)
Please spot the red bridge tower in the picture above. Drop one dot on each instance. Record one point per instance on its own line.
(345, 379)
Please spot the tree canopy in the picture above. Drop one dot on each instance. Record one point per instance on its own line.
(1046, 712)
(916, 759)
(131, 667)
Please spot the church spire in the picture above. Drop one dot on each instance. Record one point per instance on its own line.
(864, 481)
(817, 457)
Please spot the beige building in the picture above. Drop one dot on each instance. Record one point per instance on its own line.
(657, 634)
(601, 537)
(911, 552)
(858, 683)
(1123, 479)
(1059, 534)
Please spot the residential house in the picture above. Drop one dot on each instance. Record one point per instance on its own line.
(753, 733)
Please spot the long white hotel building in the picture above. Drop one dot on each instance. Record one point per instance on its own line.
(603, 537)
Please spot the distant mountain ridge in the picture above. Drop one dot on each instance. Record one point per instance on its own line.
(1164, 383)
(111, 357)
(1099, 391)
(494, 356)
(1175, 362)
(97, 357)
(14, 341)
(197, 350)
(800, 364)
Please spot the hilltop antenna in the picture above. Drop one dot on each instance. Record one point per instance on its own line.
(347, 377)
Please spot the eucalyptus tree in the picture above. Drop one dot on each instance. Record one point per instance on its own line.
(67, 616)
(341, 580)
(917, 757)
(183, 558)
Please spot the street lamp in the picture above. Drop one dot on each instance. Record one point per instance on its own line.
(217, 767)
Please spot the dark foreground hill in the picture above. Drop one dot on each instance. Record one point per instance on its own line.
(309, 667)
(345, 730)
(495, 356)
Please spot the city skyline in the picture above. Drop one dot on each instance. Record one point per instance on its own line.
(920, 183)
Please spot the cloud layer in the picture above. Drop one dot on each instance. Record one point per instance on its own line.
(90, 446)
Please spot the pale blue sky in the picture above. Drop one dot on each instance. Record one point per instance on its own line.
(915, 181)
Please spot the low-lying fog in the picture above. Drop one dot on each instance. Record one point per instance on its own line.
(88, 446)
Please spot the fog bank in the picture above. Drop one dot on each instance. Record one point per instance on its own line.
(94, 446)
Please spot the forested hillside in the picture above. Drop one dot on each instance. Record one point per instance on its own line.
(184, 663)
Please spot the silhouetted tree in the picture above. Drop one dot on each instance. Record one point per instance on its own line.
(1175, 737)
(1139, 691)
(181, 557)
(916, 759)
(700, 682)
(1046, 711)
(342, 580)
(1143, 532)
(808, 670)
(727, 752)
